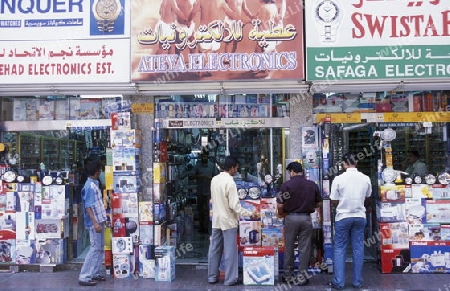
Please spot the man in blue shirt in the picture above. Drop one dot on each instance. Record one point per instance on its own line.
(94, 220)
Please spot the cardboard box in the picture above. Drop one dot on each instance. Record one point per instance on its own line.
(395, 261)
(259, 266)
(272, 237)
(441, 192)
(430, 257)
(394, 235)
(122, 245)
(124, 183)
(415, 210)
(249, 233)
(126, 159)
(25, 251)
(253, 206)
(125, 204)
(424, 232)
(390, 211)
(51, 251)
(438, 211)
(165, 263)
(392, 193)
(121, 266)
(422, 191)
(125, 138)
(46, 109)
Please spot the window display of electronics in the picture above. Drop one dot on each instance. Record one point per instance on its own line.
(33, 149)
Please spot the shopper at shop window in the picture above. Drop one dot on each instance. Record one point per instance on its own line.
(94, 220)
(226, 209)
(412, 164)
(349, 192)
(204, 171)
(297, 199)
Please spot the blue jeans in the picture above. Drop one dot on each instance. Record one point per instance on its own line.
(94, 258)
(346, 228)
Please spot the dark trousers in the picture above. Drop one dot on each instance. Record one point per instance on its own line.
(203, 212)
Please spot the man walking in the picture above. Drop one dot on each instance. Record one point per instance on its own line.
(94, 220)
(298, 198)
(349, 191)
(226, 210)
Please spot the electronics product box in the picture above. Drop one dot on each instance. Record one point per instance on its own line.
(392, 193)
(51, 251)
(165, 263)
(253, 206)
(160, 213)
(145, 211)
(19, 109)
(259, 265)
(269, 219)
(421, 191)
(90, 108)
(438, 211)
(46, 109)
(159, 192)
(125, 204)
(159, 172)
(52, 228)
(146, 233)
(125, 138)
(249, 233)
(25, 227)
(62, 109)
(121, 266)
(390, 211)
(25, 251)
(395, 261)
(394, 235)
(110, 105)
(425, 232)
(160, 233)
(122, 245)
(415, 210)
(272, 237)
(328, 256)
(126, 159)
(445, 232)
(147, 261)
(441, 192)
(127, 183)
(74, 108)
(430, 257)
(120, 120)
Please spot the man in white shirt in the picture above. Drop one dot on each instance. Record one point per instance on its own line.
(349, 192)
(412, 164)
(226, 209)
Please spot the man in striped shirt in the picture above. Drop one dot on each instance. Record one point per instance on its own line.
(95, 221)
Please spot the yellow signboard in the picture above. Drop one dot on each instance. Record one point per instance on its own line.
(143, 108)
(339, 117)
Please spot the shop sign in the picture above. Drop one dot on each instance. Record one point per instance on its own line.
(143, 107)
(225, 123)
(64, 42)
(377, 39)
(186, 41)
(340, 117)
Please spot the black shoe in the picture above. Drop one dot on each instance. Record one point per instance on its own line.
(331, 285)
(213, 282)
(303, 283)
(237, 282)
(99, 278)
(87, 283)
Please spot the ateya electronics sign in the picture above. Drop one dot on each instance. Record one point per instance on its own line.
(377, 39)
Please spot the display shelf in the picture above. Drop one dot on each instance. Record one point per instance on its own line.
(29, 151)
(50, 152)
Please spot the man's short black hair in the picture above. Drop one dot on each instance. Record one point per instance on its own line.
(350, 159)
(296, 167)
(415, 153)
(92, 166)
(230, 162)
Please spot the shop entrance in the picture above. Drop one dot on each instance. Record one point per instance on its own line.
(260, 151)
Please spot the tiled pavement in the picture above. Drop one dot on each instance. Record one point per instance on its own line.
(193, 277)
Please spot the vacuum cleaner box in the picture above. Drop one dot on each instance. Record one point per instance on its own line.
(259, 265)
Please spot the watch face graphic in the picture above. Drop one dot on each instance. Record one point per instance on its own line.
(106, 9)
(327, 11)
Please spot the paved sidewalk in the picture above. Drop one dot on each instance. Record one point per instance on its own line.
(193, 277)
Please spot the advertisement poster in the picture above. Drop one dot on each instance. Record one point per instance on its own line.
(206, 40)
(82, 41)
(377, 39)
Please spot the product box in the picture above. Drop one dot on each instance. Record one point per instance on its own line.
(147, 261)
(8, 248)
(62, 109)
(159, 192)
(160, 234)
(272, 237)
(421, 191)
(425, 232)
(122, 266)
(25, 227)
(90, 108)
(122, 245)
(127, 183)
(438, 211)
(110, 105)
(249, 233)
(160, 213)
(159, 172)
(259, 266)
(25, 252)
(399, 102)
(253, 206)
(74, 108)
(51, 251)
(125, 204)
(415, 210)
(445, 232)
(165, 263)
(52, 228)
(441, 192)
(120, 120)
(125, 138)
(395, 261)
(146, 234)
(145, 211)
(430, 257)
(46, 109)
(394, 235)
(126, 159)
(32, 110)
(392, 193)
(390, 211)
(19, 109)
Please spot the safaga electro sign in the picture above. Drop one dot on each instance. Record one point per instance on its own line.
(52, 19)
(377, 39)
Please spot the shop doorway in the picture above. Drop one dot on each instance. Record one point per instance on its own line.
(260, 151)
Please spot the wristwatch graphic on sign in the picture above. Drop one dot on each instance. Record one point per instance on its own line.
(328, 14)
(106, 13)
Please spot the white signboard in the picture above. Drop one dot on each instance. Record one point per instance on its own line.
(377, 39)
